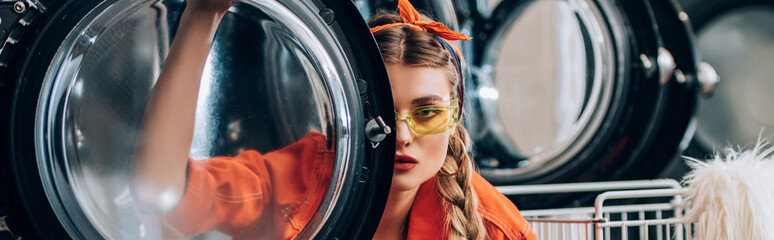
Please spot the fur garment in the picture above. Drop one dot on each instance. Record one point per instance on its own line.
(732, 194)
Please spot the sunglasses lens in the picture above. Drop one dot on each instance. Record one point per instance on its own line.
(429, 120)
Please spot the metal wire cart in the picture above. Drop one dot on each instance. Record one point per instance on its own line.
(649, 209)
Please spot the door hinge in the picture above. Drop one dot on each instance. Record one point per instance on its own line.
(15, 16)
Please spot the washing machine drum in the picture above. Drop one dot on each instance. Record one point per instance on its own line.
(575, 91)
(280, 75)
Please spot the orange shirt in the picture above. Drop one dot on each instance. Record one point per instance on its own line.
(274, 195)
(501, 218)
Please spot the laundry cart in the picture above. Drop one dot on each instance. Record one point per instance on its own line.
(647, 209)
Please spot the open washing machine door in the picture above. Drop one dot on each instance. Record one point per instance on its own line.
(579, 90)
(75, 80)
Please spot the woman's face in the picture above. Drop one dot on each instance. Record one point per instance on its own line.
(414, 87)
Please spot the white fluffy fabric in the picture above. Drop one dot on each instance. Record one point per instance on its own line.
(732, 194)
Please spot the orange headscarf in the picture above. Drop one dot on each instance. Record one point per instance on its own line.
(411, 20)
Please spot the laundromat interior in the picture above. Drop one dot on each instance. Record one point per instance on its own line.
(583, 113)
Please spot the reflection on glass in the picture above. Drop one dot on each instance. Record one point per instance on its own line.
(550, 84)
(544, 73)
(266, 133)
(740, 45)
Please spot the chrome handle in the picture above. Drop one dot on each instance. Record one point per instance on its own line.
(377, 130)
(708, 79)
(666, 65)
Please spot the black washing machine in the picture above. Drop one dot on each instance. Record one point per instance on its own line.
(75, 77)
(580, 90)
(737, 38)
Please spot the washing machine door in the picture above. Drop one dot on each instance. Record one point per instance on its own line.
(737, 39)
(693, 83)
(76, 76)
(575, 90)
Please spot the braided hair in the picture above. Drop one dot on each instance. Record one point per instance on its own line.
(402, 45)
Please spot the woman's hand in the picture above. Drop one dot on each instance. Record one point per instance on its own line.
(218, 6)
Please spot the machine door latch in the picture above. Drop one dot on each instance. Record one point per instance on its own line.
(376, 130)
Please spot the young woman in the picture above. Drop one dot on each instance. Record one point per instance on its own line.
(435, 193)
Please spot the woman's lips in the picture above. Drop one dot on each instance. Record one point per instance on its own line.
(404, 162)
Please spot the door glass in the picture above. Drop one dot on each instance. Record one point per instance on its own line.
(544, 88)
(740, 45)
(271, 135)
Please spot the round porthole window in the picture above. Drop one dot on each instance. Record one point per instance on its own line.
(282, 82)
(737, 43)
(549, 89)
(579, 91)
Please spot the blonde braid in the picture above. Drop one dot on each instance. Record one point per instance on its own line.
(461, 202)
(420, 48)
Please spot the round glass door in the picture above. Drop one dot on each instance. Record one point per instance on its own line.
(578, 91)
(739, 44)
(277, 146)
(543, 88)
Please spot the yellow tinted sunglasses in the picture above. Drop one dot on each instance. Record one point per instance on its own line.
(426, 120)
